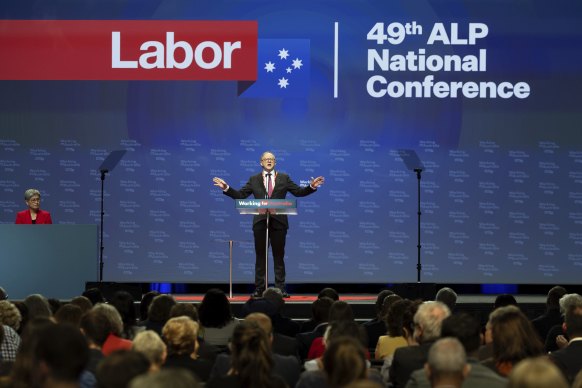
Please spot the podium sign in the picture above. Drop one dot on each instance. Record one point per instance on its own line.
(263, 206)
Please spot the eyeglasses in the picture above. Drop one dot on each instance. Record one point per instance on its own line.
(34, 200)
(268, 160)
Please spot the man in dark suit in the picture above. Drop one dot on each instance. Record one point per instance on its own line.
(269, 184)
(552, 316)
(569, 359)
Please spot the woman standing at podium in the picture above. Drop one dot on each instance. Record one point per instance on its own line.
(33, 215)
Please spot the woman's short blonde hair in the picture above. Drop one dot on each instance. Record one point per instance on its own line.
(180, 335)
(10, 315)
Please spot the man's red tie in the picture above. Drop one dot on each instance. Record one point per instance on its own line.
(269, 185)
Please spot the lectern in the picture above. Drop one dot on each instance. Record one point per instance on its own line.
(265, 207)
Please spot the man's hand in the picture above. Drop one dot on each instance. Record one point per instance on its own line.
(316, 182)
(220, 183)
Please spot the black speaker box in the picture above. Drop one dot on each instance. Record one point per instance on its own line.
(108, 289)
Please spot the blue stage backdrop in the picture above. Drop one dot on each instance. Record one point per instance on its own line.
(486, 93)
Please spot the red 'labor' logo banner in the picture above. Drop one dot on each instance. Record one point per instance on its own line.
(128, 50)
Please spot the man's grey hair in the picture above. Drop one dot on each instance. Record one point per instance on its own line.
(150, 344)
(447, 356)
(569, 301)
(429, 318)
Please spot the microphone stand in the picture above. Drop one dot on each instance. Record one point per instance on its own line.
(418, 171)
(101, 247)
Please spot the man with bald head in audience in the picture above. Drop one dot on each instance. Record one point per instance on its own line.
(447, 364)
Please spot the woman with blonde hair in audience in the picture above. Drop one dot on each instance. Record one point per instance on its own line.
(537, 372)
(181, 337)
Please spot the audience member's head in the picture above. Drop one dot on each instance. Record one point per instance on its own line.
(344, 361)
(166, 378)
(340, 311)
(465, 328)
(124, 304)
(428, 321)
(115, 321)
(3, 294)
(23, 310)
(60, 355)
(329, 293)
(536, 372)
(83, 303)
(69, 313)
(54, 305)
(408, 321)
(504, 300)
(320, 309)
(160, 307)
(447, 363)
(350, 329)
(554, 295)
(94, 295)
(150, 344)
(146, 301)
(38, 306)
(573, 322)
(24, 365)
(380, 302)
(96, 327)
(447, 296)
(262, 320)
(181, 336)
(514, 338)
(184, 310)
(569, 300)
(214, 311)
(251, 355)
(275, 296)
(394, 316)
(9, 315)
(388, 302)
(119, 368)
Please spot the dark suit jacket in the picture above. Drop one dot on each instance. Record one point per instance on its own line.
(545, 322)
(406, 360)
(256, 187)
(304, 340)
(284, 345)
(374, 329)
(569, 359)
(42, 217)
(286, 367)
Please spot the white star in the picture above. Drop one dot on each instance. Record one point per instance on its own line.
(269, 66)
(297, 63)
(283, 83)
(283, 54)
(289, 70)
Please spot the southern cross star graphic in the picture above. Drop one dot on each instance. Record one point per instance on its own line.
(283, 69)
(287, 67)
